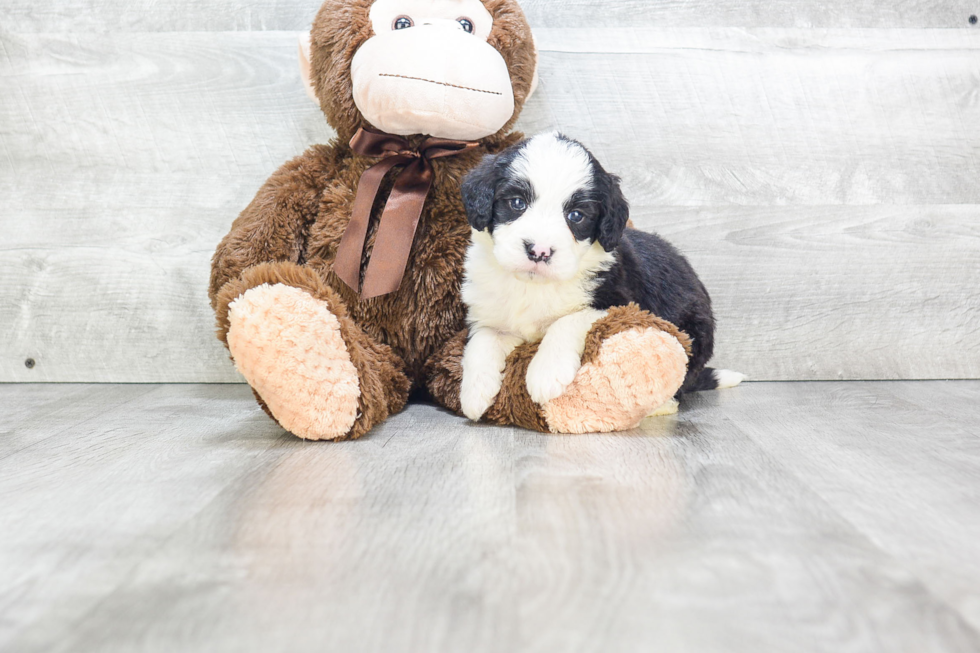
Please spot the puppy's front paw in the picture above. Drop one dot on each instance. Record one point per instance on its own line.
(478, 392)
(550, 372)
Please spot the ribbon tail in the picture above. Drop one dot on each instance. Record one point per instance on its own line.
(347, 262)
(400, 219)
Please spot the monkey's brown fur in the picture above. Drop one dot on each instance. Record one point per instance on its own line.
(290, 232)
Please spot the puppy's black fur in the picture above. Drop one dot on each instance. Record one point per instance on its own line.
(647, 270)
(652, 273)
(485, 185)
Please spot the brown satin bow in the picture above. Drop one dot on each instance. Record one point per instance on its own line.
(401, 214)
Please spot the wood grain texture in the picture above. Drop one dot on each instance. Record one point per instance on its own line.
(187, 15)
(913, 488)
(770, 117)
(125, 483)
(63, 409)
(127, 158)
(749, 13)
(822, 181)
(772, 517)
(836, 292)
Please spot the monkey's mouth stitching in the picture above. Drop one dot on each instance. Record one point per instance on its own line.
(432, 81)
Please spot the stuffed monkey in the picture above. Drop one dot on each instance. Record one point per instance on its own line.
(337, 291)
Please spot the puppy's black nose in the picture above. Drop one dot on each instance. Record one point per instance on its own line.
(538, 254)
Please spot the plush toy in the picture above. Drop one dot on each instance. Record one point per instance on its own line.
(337, 290)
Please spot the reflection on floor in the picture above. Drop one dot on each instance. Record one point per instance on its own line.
(770, 517)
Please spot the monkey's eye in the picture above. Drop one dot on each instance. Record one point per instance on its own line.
(575, 217)
(402, 22)
(467, 24)
(518, 204)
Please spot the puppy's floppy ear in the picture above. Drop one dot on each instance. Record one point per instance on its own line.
(478, 190)
(615, 212)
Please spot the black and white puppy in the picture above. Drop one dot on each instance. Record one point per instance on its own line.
(550, 253)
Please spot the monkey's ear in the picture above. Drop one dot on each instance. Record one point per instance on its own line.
(479, 189)
(534, 78)
(305, 67)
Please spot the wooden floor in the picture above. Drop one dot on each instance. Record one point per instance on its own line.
(772, 517)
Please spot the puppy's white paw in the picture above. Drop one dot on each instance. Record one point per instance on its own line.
(478, 392)
(550, 372)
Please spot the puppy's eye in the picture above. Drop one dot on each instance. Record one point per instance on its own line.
(402, 22)
(466, 23)
(518, 204)
(575, 217)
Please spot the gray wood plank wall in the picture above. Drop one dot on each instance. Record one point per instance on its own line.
(193, 15)
(819, 162)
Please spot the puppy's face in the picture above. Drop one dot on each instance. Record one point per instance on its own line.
(546, 209)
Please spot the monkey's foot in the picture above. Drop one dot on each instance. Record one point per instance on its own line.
(633, 373)
(669, 407)
(288, 346)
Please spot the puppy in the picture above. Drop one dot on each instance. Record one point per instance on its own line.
(550, 253)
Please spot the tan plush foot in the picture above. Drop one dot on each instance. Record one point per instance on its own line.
(635, 372)
(288, 346)
(669, 407)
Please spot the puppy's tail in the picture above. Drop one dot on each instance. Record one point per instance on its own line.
(712, 379)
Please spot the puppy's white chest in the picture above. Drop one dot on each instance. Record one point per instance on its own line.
(510, 305)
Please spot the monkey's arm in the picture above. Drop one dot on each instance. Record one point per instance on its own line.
(632, 363)
(273, 227)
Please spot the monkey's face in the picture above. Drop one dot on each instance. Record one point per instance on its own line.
(429, 69)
